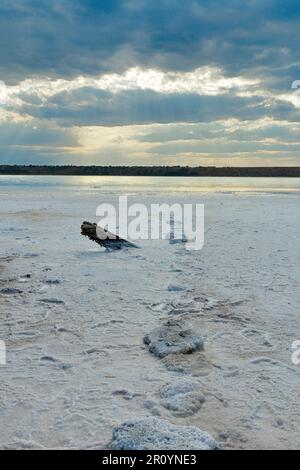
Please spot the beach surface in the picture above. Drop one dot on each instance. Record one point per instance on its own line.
(74, 317)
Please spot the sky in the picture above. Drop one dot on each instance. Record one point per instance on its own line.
(140, 82)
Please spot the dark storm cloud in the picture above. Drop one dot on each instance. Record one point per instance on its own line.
(68, 38)
(22, 142)
(278, 131)
(15, 155)
(222, 147)
(35, 134)
(90, 107)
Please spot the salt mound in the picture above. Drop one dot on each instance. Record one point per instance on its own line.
(173, 337)
(157, 434)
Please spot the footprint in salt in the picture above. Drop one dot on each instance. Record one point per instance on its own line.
(259, 338)
(176, 288)
(206, 303)
(161, 307)
(52, 301)
(10, 291)
(183, 398)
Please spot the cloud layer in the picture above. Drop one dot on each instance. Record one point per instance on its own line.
(136, 82)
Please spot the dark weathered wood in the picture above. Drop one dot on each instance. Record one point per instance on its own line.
(104, 238)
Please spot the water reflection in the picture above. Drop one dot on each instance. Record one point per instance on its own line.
(141, 184)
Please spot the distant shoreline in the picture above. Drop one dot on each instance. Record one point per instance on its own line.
(262, 172)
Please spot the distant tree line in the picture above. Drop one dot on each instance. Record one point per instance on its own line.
(289, 172)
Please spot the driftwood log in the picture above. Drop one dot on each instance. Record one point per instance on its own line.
(104, 238)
